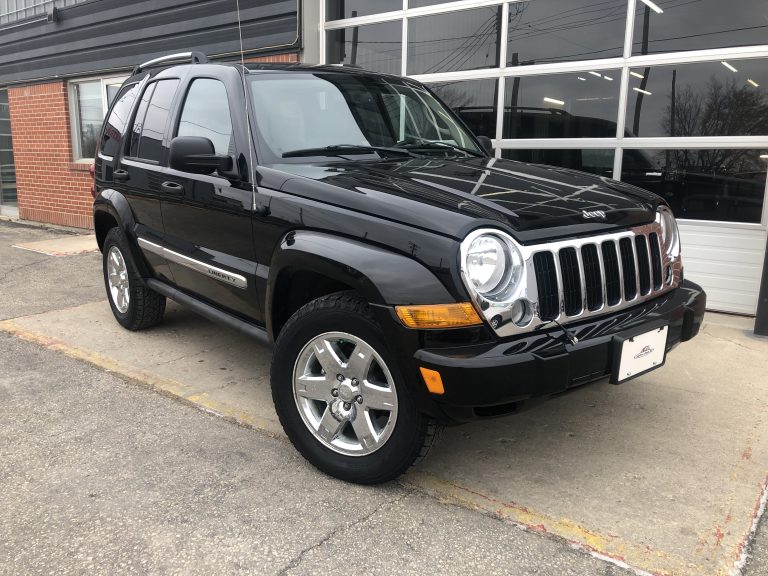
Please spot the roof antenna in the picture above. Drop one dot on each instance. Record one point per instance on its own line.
(247, 117)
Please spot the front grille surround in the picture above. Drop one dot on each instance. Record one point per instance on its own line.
(624, 280)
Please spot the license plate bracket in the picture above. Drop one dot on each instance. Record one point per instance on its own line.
(638, 352)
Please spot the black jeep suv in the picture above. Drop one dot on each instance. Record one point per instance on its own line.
(407, 278)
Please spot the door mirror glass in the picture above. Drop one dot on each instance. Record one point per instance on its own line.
(197, 154)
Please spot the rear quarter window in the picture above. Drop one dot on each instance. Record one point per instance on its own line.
(118, 119)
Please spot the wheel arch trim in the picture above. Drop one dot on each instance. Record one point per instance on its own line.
(380, 276)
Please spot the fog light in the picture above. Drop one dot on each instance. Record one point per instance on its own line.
(521, 312)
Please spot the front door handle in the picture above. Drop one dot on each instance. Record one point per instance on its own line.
(172, 188)
(121, 175)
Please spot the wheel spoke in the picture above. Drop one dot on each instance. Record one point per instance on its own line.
(327, 357)
(363, 428)
(314, 387)
(377, 397)
(329, 427)
(359, 362)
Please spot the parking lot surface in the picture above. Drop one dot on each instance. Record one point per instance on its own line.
(664, 474)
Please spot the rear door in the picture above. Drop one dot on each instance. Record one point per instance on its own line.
(208, 219)
(139, 173)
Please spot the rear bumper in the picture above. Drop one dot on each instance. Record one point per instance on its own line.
(498, 378)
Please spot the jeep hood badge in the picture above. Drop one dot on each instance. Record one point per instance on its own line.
(590, 214)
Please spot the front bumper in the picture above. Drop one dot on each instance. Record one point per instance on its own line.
(497, 378)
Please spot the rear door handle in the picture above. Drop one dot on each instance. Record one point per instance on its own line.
(121, 175)
(172, 188)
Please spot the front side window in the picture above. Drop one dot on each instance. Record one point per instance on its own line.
(306, 111)
(89, 102)
(206, 114)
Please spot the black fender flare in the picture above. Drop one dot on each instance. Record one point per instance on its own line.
(380, 276)
(116, 205)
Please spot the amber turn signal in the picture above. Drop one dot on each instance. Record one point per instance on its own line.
(438, 315)
(433, 380)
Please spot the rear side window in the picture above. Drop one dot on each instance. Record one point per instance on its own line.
(152, 120)
(118, 119)
(206, 114)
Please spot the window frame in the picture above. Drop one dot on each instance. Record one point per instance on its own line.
(74, 113)
(186, 88)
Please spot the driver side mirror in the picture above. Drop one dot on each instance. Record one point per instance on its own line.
(486, 143)
(197, 155)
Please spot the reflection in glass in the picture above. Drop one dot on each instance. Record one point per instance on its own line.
(687, 25)
(545, 31)
(7, 167)
(152, 132)
(376, 47)
(90, 114)
(420, 3)
(723, 184)
(464, 40)
(474, 101)
(118, 119)
(725, 98)
(300, 115)
(206, 114)
(339, 9)
(594, 160)
(572, 105)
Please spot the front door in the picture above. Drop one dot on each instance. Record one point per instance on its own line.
(207, 218)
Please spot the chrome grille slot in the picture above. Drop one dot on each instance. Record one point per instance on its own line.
(613, 278)
(643, 264)
(593, 282)
(546, 280)
(658, 278)
(628, 268)
(572, 290)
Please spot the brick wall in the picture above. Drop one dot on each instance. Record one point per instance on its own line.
(51, 187)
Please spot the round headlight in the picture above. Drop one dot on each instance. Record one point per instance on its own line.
(486, 263)
(670, 235)
(493, 266)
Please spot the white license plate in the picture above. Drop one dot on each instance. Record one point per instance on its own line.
(641, 353)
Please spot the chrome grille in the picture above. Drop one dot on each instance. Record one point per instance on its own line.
(591, 275)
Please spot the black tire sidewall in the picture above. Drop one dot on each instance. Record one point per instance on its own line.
(116, 238)
(405, 442)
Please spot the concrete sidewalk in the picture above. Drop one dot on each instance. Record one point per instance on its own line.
(665, 473)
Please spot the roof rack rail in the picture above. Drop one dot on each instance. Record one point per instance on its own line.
(194, 57)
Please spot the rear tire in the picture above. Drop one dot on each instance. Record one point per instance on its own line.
(340, 396)
(134, 306)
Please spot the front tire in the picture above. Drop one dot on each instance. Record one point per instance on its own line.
(134, 305)
(340, 396)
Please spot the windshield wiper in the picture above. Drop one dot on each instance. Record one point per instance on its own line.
(345, 149)
(418, 144)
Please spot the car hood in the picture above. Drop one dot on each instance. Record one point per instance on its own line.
(531, 199)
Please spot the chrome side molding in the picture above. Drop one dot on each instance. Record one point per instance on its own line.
(214, 272)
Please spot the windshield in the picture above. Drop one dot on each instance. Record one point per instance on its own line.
(305, 113)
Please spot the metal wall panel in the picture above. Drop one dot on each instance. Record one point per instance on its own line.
(108, 35)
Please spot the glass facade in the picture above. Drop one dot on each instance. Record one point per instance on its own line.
(656, 93)
(702, 184)
(7, 167)
(467, 40)
(373, 47)
(549, 31)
